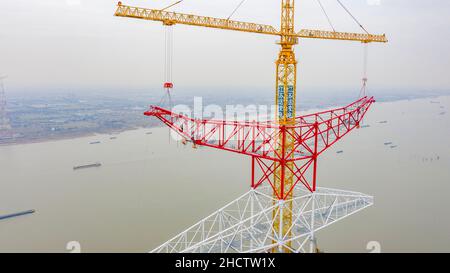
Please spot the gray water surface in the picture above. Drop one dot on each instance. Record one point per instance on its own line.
(149, 187)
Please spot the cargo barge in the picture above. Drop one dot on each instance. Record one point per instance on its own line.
(2, 217)
(86, 166)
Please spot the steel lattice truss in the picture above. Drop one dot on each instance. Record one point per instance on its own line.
(254, 222)
(312, 134)
(246, 224)
(171, 18)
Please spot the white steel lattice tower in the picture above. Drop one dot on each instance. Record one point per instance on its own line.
(245, 225)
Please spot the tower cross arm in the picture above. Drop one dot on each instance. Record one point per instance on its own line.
(172, 18)
(334, 35)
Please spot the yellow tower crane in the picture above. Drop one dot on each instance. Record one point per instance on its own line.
(286, 71)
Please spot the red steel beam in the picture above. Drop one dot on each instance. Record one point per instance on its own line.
(313, 134)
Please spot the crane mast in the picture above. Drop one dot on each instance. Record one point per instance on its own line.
(285, 171)
(285, 99)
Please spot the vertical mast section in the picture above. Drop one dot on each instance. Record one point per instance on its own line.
(287, 21)
(285, 100)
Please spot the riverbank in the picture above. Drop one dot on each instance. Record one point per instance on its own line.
(155, 124)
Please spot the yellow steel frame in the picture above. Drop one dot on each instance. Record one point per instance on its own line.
(285, 97)
(171, 18)
(285, 83)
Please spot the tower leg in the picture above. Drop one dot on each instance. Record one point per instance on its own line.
(312, 243)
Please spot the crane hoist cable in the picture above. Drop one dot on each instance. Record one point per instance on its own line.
(363, 91)
(366, 58)
(166, 99)
(168, 84)
(326, 15)
(354, 18)
(168, 60)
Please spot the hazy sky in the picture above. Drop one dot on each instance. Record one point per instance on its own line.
(80, 44)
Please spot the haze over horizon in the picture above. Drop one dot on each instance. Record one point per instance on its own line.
(96, 156)
(78, 44)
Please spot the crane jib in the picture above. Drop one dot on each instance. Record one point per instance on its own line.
(171, 18)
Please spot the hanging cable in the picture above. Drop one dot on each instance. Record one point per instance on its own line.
(365, 61)
(354, 18)
(168, 85)
(363, 92)
(237, 7)
(326, 15)
(168, 60)
(171, 5)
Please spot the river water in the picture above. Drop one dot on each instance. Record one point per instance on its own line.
(150, 187)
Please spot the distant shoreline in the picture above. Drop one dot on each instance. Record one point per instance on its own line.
(66, 137)
(118, 131)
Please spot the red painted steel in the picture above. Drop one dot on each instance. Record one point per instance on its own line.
(312, 134)
(168, 85)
